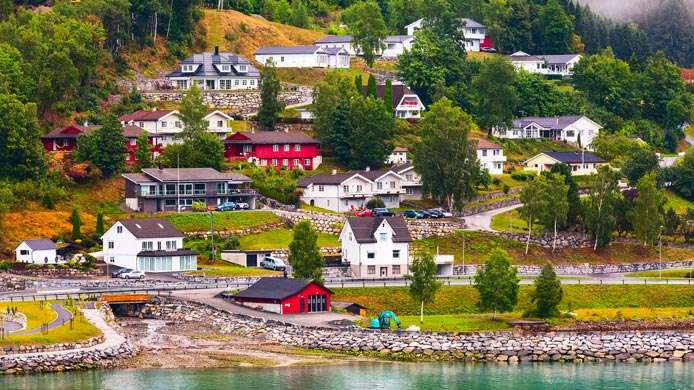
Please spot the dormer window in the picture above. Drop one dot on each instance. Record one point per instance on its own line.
(188, 68)
(226, 68)
(243, 68)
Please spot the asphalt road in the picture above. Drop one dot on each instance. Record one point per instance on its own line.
(483, 221)
(63, 317)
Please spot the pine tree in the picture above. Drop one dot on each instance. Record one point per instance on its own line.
(497, 283)
(270, 105)
(358, 84)
(304, 253)
(548, 293)
(99, 223)
(388, 96)
(423, 282)
(143, 154)
(76, 222)
(371, 89)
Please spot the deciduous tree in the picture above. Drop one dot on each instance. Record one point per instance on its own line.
(193, 111)
(647, 215)
(598, 208)
(143, 154)
(548, 293)
(365, 22)
(423, 282)
(104, 147)
(497, 283)
(304, 253)
(21, 152)
(495, 97)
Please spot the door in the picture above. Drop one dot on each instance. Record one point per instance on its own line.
(384, 272)
(251, 260)
(301, 305)
(209, 84)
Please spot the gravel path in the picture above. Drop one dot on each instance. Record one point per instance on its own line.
(63, 317)
(483, 221)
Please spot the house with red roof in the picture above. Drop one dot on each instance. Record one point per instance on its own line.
(277, 149)
(166, 125)
(65, 138)
(491, 156)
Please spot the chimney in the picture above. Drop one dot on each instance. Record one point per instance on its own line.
(368, 169)
(334, 172)
(216, 50)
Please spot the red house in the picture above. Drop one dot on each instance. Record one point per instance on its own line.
(274, 148)
(286, 296)
(65, 138)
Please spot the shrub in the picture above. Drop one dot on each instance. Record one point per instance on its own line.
(522, 176)
(231, 242)
(506, 189)
(5, 265)
(375, 203)
(199, 206)
(496, 181)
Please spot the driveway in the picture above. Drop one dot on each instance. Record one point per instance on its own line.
(483, 221)
(63, 317)
(208, 297)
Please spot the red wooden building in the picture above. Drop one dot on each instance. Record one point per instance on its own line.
(274, 148)
(286, 296)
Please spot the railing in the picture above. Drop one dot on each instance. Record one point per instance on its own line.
(235, 191)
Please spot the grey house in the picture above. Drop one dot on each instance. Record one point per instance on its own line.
(216, 71)
(171, 189)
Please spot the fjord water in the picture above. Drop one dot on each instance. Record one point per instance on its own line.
(376, 375)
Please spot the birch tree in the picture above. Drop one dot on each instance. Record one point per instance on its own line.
(422, 276)
(598, 214)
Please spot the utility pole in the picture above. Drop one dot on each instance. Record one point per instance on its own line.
(464, 271)
(214, 253)
(660, 253)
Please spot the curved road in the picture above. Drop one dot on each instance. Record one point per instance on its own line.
(483, 221)
(63, 317)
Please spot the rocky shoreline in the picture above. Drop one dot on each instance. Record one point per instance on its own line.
(592, 346)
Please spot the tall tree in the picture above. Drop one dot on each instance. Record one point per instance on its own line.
(270, 105)
(639, 163)
(371, 87)
(358, 84)
(572, 196)
(423, 282)
(495, 96)
(341, 132)
(556, 29)
(104, 147)
(664, 98)
(193, 111)
(598, 208)
(497, 283)
(388, 96)
(683, 176)
(304, 253)
(143, 154)
(557, 204)
(76, 222)
(535, 200)
(99, 230)
(21, 152)
(511, 26)
(372, 131)
(365, 22)
(548, 292)
(647, 215)
(445, 158)
(334, 88)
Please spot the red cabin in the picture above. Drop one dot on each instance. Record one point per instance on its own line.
(286, 296)
(65, 138)
(274, 148)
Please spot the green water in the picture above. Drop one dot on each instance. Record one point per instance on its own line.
(400, 376)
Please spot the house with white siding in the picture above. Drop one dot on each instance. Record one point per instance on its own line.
(491, 156)
(215, 71)
(475, 33)
(337, 41)
(306, 56)
(580, 162)
(376, 247)
(41, 251)
(395, 45)
(165, 125)
(576, 129)
(550, 64)
(406, 103)
(149, 245)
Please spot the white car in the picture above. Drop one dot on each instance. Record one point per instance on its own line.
(273, 264)
(446, 214)
(134, 274)
(242, 206)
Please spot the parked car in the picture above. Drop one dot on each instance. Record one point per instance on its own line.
(363, 213)
(132, 274)
(242, 206)
(413, 214)
(425, 214)
(382, 212)
(117, 273)
(434, 213)
(227, 206)
(446, 214)
(273, 264)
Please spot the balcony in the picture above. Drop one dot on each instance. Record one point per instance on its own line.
(389, 191)
(200, 194)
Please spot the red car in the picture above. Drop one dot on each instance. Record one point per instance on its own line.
(363, 213)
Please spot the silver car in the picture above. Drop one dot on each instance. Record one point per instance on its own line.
(133, 274)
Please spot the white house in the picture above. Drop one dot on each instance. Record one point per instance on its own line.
(337, 41)
(395, 45)
(41, 251)
(376, 247)
(475, 33)
(216, 71)
(306, 56)
(491, 157)
(398, 156)
(411, 181)
(406, 103)
(575, 129)
(165, 125)
(344, 192)
(581, 163)
(550, 64)
(150, 245)
(218, 123)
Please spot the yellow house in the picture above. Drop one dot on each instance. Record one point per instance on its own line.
(580, 162)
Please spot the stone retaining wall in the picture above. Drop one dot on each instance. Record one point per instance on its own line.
(651, 346)
(13, 349)
(585, 269)
(564, 240)
(239, 232)
(9, 282)
(234, 102)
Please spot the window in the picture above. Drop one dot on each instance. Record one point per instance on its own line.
(286, 147)
(274, 161)
(285, 162)
(379, 185)
(182, 84)
(275, 148)
(185, 189)
(110, 245)
(220, 123)
(236, 82)
(396, 253)
(358, 187)
(408, 177)
(242, 68)
(200, 189)
(396, 270)
(170, 202)
(484, 152)
(382, 236)
(225, 68)
(244, 82)
(281, 58)
(317, 303)
(297, 162)
(142, 124)
(371, 270)
(147, 245)
(224, 84)
(158, 245)
(569, 133)
(297, 147)
(307, 161)
(370, 255)
(345, 189)
(24, 252)
(392, 184)
(119, 229)
(221, 188)
(163, 123)
(321, 188)
(252, 82)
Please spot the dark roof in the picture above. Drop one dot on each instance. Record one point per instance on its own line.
(150, 228)
(40, 244)
(145, 116)
(206, 65)
(364, 228)
(398, 38)
(399, 90)
(335, 39)
(275, 288)
(326, 178)
(130, 131)
(335, 50)
(523, 56)
(554, 122)
(558, 58)
(179, 252)
(401, 167)
(59, 132)
(137, 177)
(192, 174)
(575, 157)
(302, 49)
(271, 137)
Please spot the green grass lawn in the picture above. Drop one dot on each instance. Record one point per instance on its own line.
(82, 329)
(666, 274)
(226, 220)
(223, 268)
(280, 238)
(511, 221)
(454, 323)
(677, 202)
(518, 150)
(690, 131)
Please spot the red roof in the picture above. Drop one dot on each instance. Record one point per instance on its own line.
(271, 137)
(688, 75)
(130, 131)
(143, 115)
(71, 131)
(484, 144)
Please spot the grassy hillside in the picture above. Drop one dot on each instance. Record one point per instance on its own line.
(243, 34)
